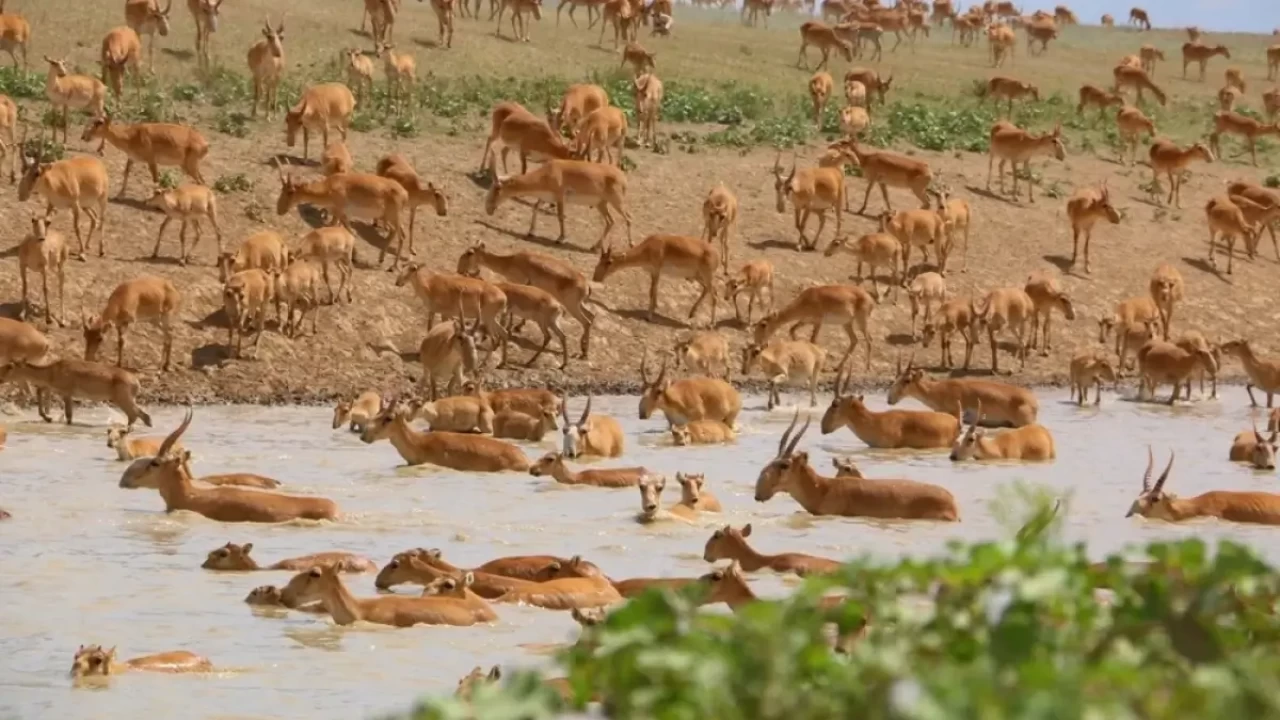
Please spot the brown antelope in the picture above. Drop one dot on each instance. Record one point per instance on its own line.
(514, 127)
(705, 352)
(648, 94)
(683, 401)
(187, 204)
(1065, 16)
(520, 10)
(1234, 78)
(563, 182)
(876, 250)
(1264, 373)
(570, 589)
(1085, 209)
(381, 14)
(702, 432)
(458, 451)
(1107, 21)
(443, 293)
(297, 288)
(398, 168)
(321, 107)
(842, 304)
(444, 12)
(1227, 98)
(336, 158)
(1233, 123)
(1262, 211)
(525, 302)
(245, 297)
(9, 147)
(1087, 369)
(44, 251)
(598, 435)
(93, 660)
(812, 190)
(1193, 341)
(1227, 222)
(719, 215)
(1004, 405)
(891, 429)
(641, 60)
(459, 414)
(447, 351)
(445, 601)
(147, 298)
(695, 499)
(954, 315)
(1271, 103)
(515, 425)
(752, 9)
(783, 360)
(1046, 295)
(530, 401)
(1167, 158)
(1011, 309)
(1091, 96)
(205, 13)
(1166, 288)
(1136, 78)
(729, 543)
(1139, 18)
(355, 413)
(236, 558)
(579, 101)
(67, 91)
(1200, 54)
(1135, 321)
(1008, 89)
(1262, 508)
(15, 34)
(266, 64)
(70, 379)
(1131, 123)
(753, 278)
(552, 465)
(1014, 145)
(884, 168)
(1273, 62)
(679, 256)
(121, 52)
(873, 84)
(790, 472)
(330, 246)
(853, 121)
(917, 227)
(1160, 361)
(1029, 442)
(402, 71)
(925, 291)
(824, 38)
(1040, 32)
(20, 342)
(1147, 57)
(359, 72)
(820, 87)
(264, 250)
(359, 196)
(1000, 40)
(1251, 447)
(128, 448)
(155, 144)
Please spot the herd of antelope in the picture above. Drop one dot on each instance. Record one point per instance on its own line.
(579, 144)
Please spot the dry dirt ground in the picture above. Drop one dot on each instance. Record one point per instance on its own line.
(1009, 239)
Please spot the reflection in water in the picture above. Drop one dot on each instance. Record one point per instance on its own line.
(87, 562)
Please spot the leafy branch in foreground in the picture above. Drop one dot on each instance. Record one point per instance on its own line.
(1011, 629)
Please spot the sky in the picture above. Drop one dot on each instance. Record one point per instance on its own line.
(1260, 16)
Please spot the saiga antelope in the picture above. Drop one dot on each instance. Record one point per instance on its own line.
(648, 93)
(44, 251)
(1227, 222)
(155, 144)
(890, 429)
(1171, 160)
(783, 360)
(921, 228)
(398, 168)
(347, 196)
(955, 315)
(884, 168)
(402, 73)
(812, 190)
(1091, 96)
(1136, 78)
(121, 53)
(525, 302)
(676, 255)
(330, 246)
(1004, 405)
(825, 39)
(1262, 508)
(147, 298)
(266, 64)
(1131, 124)
(705, 352)
(69, 379)
(845, 305)
(602, 131)
(719, 215)
(15, 34)
(146, 18)
(187, 204)
(563, 182)
(1139, 18)
(926, 290)
(246, 295)
(68, 91)
(1264, 373)
(458, 451)
(579, 101)
(1087, 206)
(1251, 447)
(820, 87)
(1160, 361)
(78, 183)
(321, 107)
(1200, 54)
(753, 278)
(687, 400)
(205, 13)
(1029, 442)
(10, 149)
(1014, 145)
(1233, 123)
(598, 435)
(1089, 369)
(1008, 89)
(877, 250)
(1011, 309)
(1167, 290)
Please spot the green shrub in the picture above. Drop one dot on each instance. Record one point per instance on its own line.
(233, 123)
(233, 184)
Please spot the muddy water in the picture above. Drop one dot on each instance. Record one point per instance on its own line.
(83, 561)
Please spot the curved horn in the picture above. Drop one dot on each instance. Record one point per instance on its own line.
(899, 361)
(977, 415)
(782, 444)
(644, 368)
(796, 440)
(564, 410)
(266, 22)
(167, 7)
(1146, 476)
(1257, 436)
(1164, 475)
(662, 371)
(168, 443)
(586, 412)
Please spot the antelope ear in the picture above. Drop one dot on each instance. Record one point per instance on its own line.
(746, 530)
(248, 547)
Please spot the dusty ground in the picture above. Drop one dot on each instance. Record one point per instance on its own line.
(1009, 239)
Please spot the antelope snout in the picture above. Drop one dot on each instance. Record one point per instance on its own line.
(650, 507)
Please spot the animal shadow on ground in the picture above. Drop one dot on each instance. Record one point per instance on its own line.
(992, 194)
(12, 310)
(642, 315)
(216, 319)
(773, 244)
(210, 354)
(971, 372)
(1203, 266)
(178, 54)
(900, 339)
(1062, 262)
(289, 161)
(536, 239)
(426, 43)
(359, 33)
(135, 203)
(482, 179)
(161, 259)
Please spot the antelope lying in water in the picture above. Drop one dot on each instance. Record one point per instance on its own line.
(552, 465)
(578, 585)
(423, 567)
(235, 558)
(1029, 442)
(1231, 505)
(1005, 405)
(682, 401)
(463, 608)
(474, 453)
(915, 429)
(790, 472)
(92, 660)
(1249, 446)
(729, 543)
(128, 448)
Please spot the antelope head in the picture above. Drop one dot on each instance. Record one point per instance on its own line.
(230, 557)
(691, 486)
(1263, 456)
(269, 595)
(310, 585)
(843, 404)
(727, 584)
(782, 183)
(407, 274)
(836, 245)
(167, 460)
(476, 678)
(1104, 204)
(546, 464)
(724, 542)
(57, 67)
(967, 445)
(651, 487)
(92, 660)
(398, 569)
(290, 188)
(680, 436)
(1153, 502)
(778, 475)
(574, 433)
(449, 586)
(160, 17)
(493, 198)
(652, 393)
(274, 36)
(341, 414)
(907, 381)
(589, 617)
(379, 427)
(846, 468)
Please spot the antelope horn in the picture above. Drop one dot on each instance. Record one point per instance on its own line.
(564, 410)
(586, 413)
(899, 361)
(167, 7)
(169, 441)
(911, 361)
(266, 21)
(1257, 436)
(796, 440)
(782, 444)
(1164, 475)
(644, 368)
(662, 372)
(1146, 476)
(977, 416)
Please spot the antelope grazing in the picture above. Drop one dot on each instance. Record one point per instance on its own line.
(355, 413)
(812, 190)
(844, 305)
(398, 168)
(347, 196)
(44, 251)
(1147, 57)
(648, 93)
(641, 60)
(1136, 78)
(321, 107)
(1139, 18)
(94, 660)
(447, 351)
(1233, 123)
(1166, 157)
(1014, 145)
(1167, 290)
(205, 13)
(753, 279)
(401, 71)
(460, 414)
(66, 91)
(719, 215)
(1153, 503)
(1088, 369)
(552, 465)
(1227, 222)
(70, 379)
(154, 144)
(1131, 124)
(598, 435)
(128, 448)
(1003, 405)
(266, 64)
(563, 182)
(873, 85)
(1251, 447)
(147, 298)
(359, 73)
(783, 360)
(954, 315)
(884, 168)
(790, 472)
(187, 204)
(705, 352)
(1091, 96)
(891, 429)
(1160, 361)
(687, 400)
(702, 432)
(917, 227)
(264, 250)
(245, 297)
(514, 127)
(15, 34)
(1264, 373)
(336, 159)
(1085, 209)
(1029, 442)
(1200, 54)
(601, 132)
(876, 250)
(1262, 211)
(820, 87)
(330, 246)
(1008, 89)
(579, 101)
(121, 52)
(925, 291)
(679, 256)
(729, 543)
(824, 38)
(457, 451)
